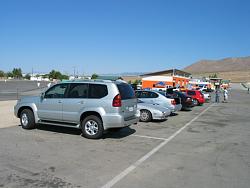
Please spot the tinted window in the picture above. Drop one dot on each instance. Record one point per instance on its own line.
(97, 91)
(126, 91)
(191, 92)
(144, 94)
(152, 95)
(180, 94)
(138, 94)
(148, 94)
(78, 90)
(162, 93)
(56, 91)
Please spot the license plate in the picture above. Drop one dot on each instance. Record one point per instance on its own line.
(131, 109)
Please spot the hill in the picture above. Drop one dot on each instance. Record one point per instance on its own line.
(223, 65)
(235, 69)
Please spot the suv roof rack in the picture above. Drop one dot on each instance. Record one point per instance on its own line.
(86, 80)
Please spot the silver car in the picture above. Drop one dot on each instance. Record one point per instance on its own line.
(92, 106)
(150, 112)
(154, 97)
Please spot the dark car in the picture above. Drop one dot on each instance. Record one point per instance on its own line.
(185, 100)
(175, 97)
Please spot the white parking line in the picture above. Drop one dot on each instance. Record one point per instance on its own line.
(150, 137)
(128, 170)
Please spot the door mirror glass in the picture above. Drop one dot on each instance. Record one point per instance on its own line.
(42, 95)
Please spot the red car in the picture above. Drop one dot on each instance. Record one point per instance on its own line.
(197, 96)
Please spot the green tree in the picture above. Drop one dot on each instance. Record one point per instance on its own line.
(64, 77)
(136, 82)
(57, 75)
(2, 74)
(213, 75)
(94, 76)
(9, 74)
(17, 73)
(27, 76)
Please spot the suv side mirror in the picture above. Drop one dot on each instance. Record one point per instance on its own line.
(42, 95)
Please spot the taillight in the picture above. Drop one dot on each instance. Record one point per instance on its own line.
(173, 102)
(117, 101)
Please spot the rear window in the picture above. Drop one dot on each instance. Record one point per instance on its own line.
(191, 92)
(126, 91)
(97, 91)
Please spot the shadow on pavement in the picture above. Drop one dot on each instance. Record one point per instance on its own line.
(158, 120)
(59, 129)
(119, 133)
(112, 133)
(173, 114)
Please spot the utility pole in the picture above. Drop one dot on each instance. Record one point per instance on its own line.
(74, 72)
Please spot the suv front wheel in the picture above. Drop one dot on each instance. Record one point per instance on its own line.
(27, 119)
(92, 127)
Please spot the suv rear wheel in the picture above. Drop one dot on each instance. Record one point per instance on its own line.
(92, 127)
(27, 119)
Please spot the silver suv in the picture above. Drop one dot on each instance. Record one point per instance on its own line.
(92, 106)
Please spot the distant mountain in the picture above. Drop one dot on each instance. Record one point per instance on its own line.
(223, 65)
(124, 74)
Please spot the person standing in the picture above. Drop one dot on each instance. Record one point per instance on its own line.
(217, 95)
(225, 93)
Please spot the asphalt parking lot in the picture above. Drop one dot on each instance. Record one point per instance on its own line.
(206, 147)
(14, 89)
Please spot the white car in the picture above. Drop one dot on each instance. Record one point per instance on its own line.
(150, 112)
(207, 96)
(154, 97)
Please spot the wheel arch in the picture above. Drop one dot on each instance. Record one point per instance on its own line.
(22, 108)
(88, 113)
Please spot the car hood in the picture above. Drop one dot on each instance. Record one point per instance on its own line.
(30, 99)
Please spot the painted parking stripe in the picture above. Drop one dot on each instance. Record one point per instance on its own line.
(150, 137)
(128, 170)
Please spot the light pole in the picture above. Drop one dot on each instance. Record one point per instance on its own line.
(74, 72)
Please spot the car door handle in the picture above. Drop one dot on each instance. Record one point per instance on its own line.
(81, 102)
(59, 101)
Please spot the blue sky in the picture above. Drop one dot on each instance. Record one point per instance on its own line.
(113, 36)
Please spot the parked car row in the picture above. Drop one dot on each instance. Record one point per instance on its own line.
(98, 105)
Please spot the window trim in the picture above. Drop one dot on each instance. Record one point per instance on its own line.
(106, 87)
(155, 93)
(68, 91)
(64, 95)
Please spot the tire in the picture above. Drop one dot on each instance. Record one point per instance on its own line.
(92, 127)
(145, 116)
(196, 102)
(27, 119)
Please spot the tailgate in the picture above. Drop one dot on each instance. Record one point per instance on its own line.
(129, 101)
(129, 108)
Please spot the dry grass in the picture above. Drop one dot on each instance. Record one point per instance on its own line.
(234, 76)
